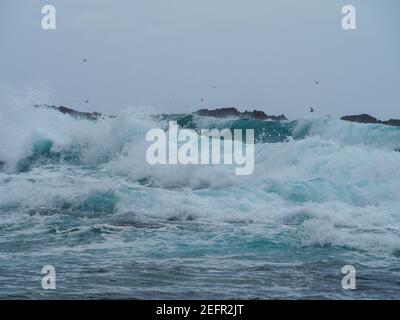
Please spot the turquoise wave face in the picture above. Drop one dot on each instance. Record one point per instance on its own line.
(81, 197)
(45, 150)
(282, 131)
(264, 131)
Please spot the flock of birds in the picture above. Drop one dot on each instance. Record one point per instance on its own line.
(311, 108)
(202, 99)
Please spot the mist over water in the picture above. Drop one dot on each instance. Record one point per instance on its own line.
(79, 195)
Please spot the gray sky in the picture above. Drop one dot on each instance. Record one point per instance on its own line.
(169, 54)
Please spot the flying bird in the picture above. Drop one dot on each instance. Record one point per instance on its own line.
(84, 60)
(316, 82)
(311, 109)
(86, 101)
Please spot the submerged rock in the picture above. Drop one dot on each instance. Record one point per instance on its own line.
(233, 112)
(366, 118)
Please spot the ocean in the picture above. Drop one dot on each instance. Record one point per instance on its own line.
(78, 195)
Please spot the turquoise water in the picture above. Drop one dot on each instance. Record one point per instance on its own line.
(80, 196)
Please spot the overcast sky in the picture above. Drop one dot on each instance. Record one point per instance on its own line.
(169, 54)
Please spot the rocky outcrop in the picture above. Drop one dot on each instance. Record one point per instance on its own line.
(366, 118)
(361, 118)
(391, 122)
(233, 112)
(217, 113)
(74, 113)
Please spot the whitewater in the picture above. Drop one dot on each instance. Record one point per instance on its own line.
(79, 195)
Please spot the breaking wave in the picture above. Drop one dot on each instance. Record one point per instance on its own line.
(317, 183)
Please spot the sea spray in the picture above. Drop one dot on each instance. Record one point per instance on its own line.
(323, 194)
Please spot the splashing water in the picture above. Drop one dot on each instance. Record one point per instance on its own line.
(79, 195)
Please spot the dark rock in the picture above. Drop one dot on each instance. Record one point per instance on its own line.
(218, 113)
(74, 113)
(233, 112)
(366, 118)
(391, 122)
(361, 118)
